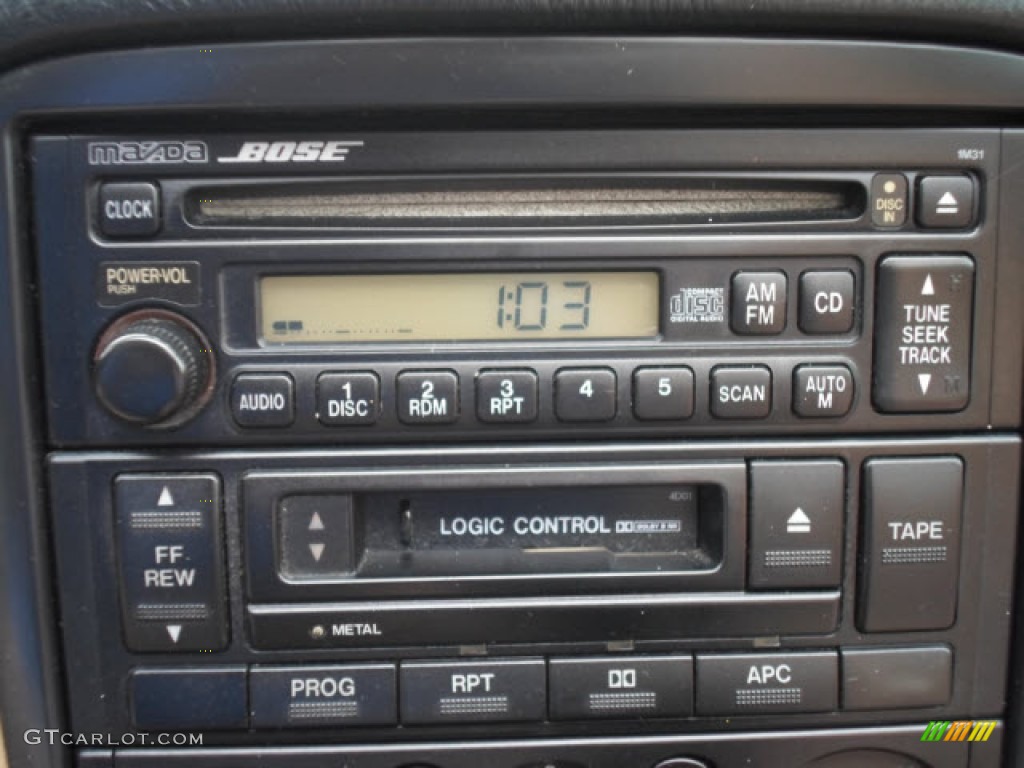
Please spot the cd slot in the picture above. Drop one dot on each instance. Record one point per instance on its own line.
(523, 202)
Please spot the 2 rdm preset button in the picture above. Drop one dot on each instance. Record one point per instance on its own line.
(428, 397)
(923, 333)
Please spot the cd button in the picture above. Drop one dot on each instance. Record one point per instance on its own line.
(585, 394)
(428, 397)
(822, 391)
(826, 302)
(307, 697)
(663, 394)
(758, 303)
(623, 687)
(506, 397)
(263, 400)
(768, 683)
(347, 399)
(485, 691)
(741, 393)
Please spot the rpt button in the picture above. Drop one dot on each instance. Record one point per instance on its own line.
(484, 691)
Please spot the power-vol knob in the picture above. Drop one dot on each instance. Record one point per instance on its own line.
(153, 368)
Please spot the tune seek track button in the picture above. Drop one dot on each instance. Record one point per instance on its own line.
(923, 333)
(477, 691)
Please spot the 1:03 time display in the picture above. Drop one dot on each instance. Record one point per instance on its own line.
(462, 306)
(526, 305)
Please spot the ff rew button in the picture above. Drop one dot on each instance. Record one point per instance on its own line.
(129, 209)
(476, 691)
(308, 696)
(171, 557)
(923, 333)
(767, 683)
(621, 687)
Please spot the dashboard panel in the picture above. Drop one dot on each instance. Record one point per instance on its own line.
(523, 401)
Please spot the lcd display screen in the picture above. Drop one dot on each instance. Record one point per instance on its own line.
(492, 306)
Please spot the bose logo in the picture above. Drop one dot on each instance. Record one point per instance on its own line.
(146, 152)
(292, 152)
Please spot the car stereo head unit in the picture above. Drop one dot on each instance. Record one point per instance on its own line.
(322, 289)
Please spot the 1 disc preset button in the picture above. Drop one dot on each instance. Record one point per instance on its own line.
(348, 399)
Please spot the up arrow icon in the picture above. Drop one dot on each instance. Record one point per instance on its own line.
(928, 289)
(165, 500)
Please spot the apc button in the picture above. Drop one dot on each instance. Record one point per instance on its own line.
(826, 302)
(741, 393)
(308, 697)
(129, 209)
(263, 400)
(623, 687)
(477, 691)
(767, 683)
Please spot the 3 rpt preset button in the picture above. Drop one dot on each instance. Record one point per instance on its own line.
(506, 397)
